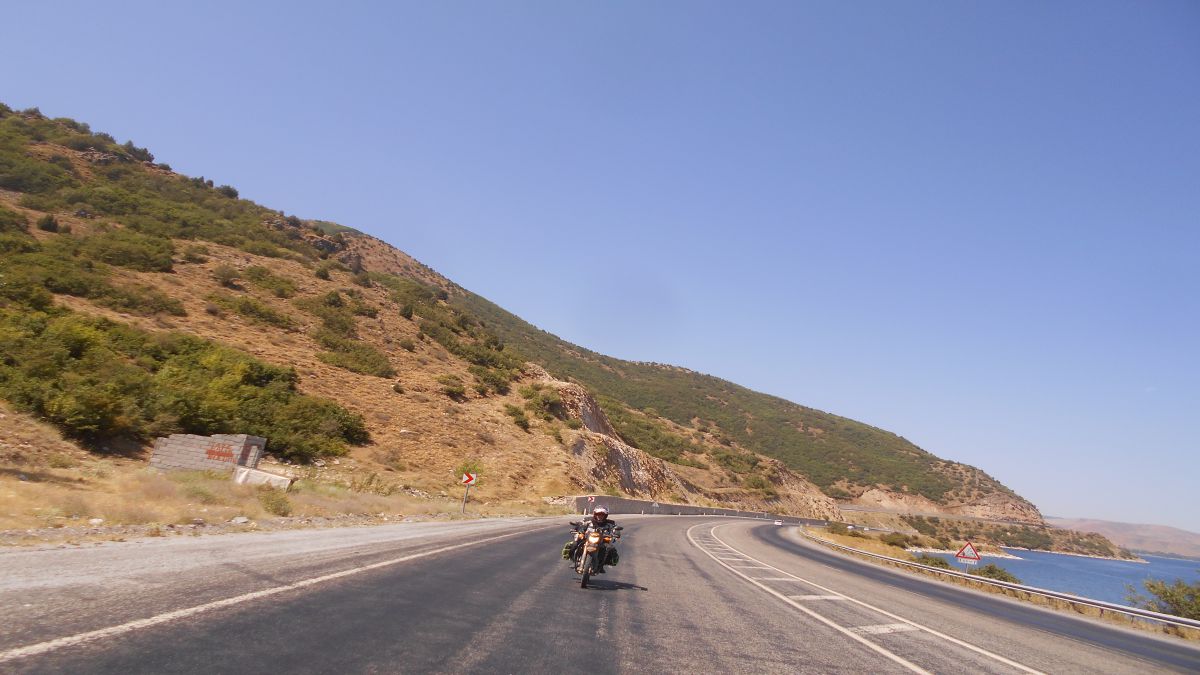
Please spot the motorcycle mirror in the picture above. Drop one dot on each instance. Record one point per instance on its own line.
(619, 527)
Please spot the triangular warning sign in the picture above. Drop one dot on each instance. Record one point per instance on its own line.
(967, 552)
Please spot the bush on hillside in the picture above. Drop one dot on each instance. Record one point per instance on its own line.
(452, 386)
(127, 248)
(226, 275)
(518, 416)
(12, 221)
(253, 310)
(98, 379)
(262, 277)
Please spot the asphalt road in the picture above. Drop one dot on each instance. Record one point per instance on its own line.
(693, 594)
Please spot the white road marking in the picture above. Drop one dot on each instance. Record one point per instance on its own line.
(884, 628)
(112, 631)
(948, 638)
(816, 597)
(895, 658)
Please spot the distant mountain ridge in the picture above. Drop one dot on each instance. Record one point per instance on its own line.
(1140, 538)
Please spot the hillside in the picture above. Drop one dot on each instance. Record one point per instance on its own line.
(137, 302)
(1153, 539)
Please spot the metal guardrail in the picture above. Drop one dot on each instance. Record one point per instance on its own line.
(1101, 605)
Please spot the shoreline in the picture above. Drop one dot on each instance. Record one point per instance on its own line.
(982, 554)
(1079, 555)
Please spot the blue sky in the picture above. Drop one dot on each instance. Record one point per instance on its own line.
(977, 226)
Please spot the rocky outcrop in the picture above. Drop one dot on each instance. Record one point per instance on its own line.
(606, 462)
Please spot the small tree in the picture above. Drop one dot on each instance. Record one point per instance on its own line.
(48, 223)
(1178, 598)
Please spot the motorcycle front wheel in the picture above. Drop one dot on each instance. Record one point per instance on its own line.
(588, 561)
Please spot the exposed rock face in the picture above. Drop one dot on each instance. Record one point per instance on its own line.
(606, 461)
(613, 463)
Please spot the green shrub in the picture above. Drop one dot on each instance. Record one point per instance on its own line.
(226, 275)
(518, 416)
(408, 345)
(452, 386)
(838, 528)
(574, 423)
(98, 379)
(324, 269)
(1179, 598)
(546, 404)
(47, 223)
(896, 539)
(195, 253)
(994, 571)
(253, 310)
(489, 379)
(282, 287)
(140, 300)
(933, 561)
(12, 221)
(275, 502)
(126, 248)
(357, 357)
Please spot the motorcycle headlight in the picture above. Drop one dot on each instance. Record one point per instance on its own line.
(594, 537)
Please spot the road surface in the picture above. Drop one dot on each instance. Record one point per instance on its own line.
(692, 594)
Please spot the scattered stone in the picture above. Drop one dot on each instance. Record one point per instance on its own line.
(240, 520)
(96, 521)
(198, 522)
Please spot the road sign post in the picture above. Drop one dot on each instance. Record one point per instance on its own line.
(967, 555)
(468, 479)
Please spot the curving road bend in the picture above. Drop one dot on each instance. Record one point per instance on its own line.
(690, 594)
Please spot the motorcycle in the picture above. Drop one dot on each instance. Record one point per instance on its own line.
(589, 544)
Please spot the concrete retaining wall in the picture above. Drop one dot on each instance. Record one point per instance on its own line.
(220, 452)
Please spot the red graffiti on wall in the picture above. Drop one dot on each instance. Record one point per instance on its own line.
(222, 452)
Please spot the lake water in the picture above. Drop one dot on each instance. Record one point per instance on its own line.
(1089, 577)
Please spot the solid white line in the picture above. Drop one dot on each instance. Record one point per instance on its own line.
(895, 658)
(948, 638)
(816, 597)
(884, 628)
(70, 640)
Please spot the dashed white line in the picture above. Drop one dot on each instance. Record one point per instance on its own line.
(895, 658)
(884, 628)
(816, 597)
(916, 626)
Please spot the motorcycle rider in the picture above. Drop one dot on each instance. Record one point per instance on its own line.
(600, 523)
